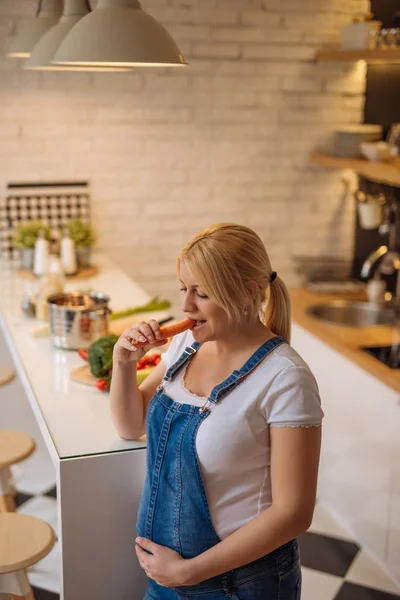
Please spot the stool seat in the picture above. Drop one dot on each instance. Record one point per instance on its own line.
(24, 540)
(15, 446)
(6, 374)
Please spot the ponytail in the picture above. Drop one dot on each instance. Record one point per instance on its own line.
(277, 309)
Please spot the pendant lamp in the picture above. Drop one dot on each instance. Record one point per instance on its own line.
(43, 52)
(47, 15)
(119, 33)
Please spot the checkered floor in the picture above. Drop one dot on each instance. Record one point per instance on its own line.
(334, 566)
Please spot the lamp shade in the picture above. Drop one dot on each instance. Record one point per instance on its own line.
(119, 33)
(48, 14)
(43, 52)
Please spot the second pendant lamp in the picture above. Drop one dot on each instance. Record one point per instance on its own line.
(47, 15)
(118, 33)
(44, 50)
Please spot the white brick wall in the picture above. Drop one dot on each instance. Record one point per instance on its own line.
(170, 152)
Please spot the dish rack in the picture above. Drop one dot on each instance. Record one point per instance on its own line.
(320, 269)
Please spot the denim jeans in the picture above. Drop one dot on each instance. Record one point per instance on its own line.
(276, 576)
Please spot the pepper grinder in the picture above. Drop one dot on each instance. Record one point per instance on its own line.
(41, 257)
(68, 254)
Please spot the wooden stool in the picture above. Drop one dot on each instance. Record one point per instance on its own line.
(24, 540)
(15, 446)
(6, 374)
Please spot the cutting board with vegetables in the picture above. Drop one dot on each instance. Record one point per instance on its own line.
(98, 364)
(83, 375)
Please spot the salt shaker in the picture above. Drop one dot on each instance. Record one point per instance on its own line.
(68, 255)
(41, 258)
(56, 275)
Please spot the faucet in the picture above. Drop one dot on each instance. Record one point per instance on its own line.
(385, 260)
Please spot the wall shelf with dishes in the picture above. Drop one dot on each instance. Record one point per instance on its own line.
(380, 172)
(362, 147)
(365, 39)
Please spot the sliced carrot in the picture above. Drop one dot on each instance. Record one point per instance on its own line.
(171, 330)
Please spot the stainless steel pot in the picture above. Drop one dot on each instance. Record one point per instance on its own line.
(77, 320)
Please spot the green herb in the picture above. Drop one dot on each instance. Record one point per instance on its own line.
(26, 234)
(154, 304)
(81, 233)
(100, 355)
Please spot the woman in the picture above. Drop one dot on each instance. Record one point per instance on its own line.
(232, 415)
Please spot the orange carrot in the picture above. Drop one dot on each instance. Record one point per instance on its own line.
(171, 330)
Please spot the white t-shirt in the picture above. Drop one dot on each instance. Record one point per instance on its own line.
(232, 443)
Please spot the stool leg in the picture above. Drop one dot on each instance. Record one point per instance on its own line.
(13, 491)
(7, 503)
(28, 596)
(16, 585)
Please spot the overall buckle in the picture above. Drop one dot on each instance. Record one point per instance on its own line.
(190, 350)
(205, 407)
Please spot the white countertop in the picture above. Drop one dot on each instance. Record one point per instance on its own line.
(74, 418)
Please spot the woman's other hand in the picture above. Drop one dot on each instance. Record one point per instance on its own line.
(165, 566)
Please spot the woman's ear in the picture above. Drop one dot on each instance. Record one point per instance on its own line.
(252, 287)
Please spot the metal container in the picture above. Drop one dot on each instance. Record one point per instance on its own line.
(27, 256)
(83, 256)
(76, 319)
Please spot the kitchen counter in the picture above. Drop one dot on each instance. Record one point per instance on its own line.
(344, 339)
(99, 476)
(73, 417)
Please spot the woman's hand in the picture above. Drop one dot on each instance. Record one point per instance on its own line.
(125, 350)
(165, 566)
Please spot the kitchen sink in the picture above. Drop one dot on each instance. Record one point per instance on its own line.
(352, 313)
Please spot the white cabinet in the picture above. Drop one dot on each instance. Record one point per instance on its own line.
(359, 468)
(393, 547)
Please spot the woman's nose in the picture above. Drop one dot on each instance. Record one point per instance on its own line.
(188, 305)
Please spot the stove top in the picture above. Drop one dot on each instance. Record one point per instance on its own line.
(388, 355)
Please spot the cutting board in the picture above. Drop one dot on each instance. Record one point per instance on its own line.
(83, 375)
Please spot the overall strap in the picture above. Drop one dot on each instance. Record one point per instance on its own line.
(182, 360)
(235, 378)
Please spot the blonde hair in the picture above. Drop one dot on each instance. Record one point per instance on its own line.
(224, 259)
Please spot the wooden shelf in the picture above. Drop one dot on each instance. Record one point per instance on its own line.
(380, 172)
(380, 55)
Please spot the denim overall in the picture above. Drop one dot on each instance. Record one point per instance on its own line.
(174, 511)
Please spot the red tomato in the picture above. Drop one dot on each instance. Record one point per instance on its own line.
(156, 359)
(102, 385)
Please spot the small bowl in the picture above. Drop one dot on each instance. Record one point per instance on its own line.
(378, 151)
